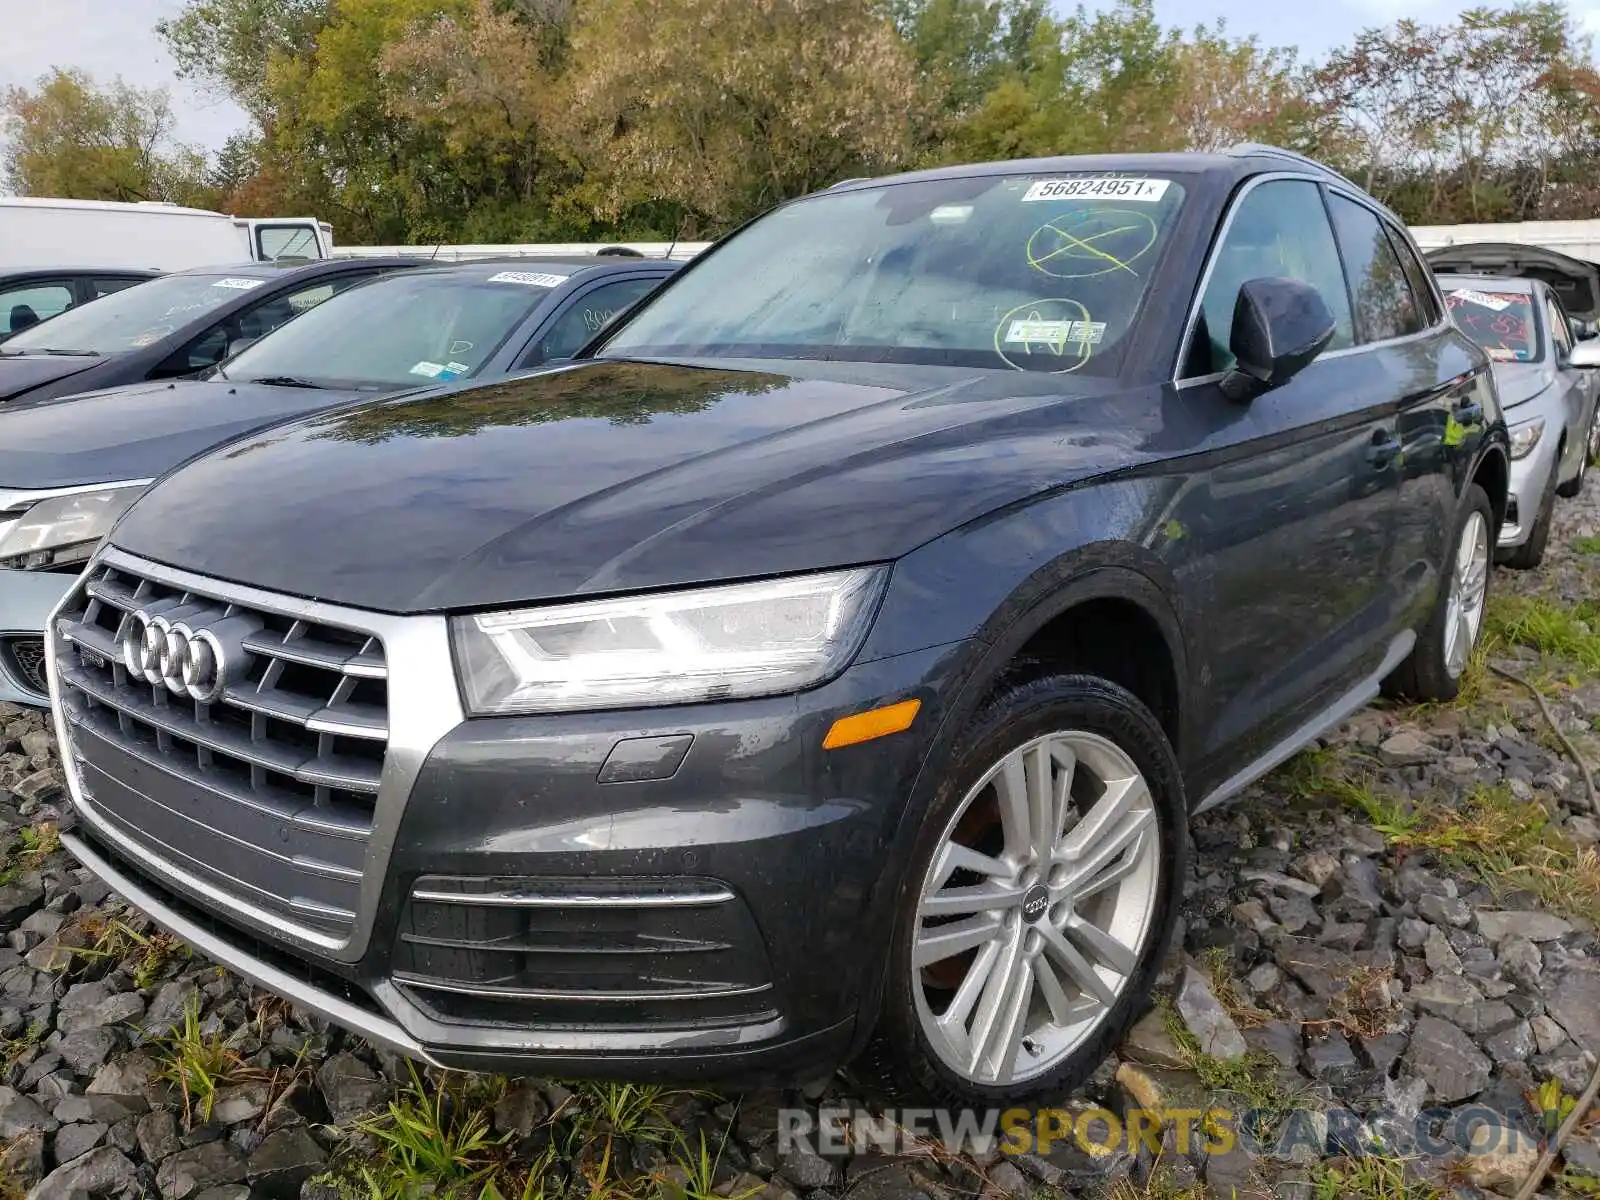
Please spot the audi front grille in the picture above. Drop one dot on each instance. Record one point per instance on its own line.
(241, 746)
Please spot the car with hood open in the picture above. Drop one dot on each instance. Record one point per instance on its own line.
(1548, 384)
(169, 327)
(68, 468)
(836, 650)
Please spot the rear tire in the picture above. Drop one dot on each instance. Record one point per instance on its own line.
(1439, 659)
(1061, 932)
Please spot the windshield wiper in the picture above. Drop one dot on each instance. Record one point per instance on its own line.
(286, 381)
(67, 353)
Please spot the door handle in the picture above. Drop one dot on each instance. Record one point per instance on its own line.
(1384, 449)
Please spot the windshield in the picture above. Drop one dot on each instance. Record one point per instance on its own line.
(1501, 322)
(400, 331)
(133, 318)
(1022, 272)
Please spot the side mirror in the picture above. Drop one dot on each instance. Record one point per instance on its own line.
(1279, 326)
(1584, 330)
(239, 344)
(1585, 354)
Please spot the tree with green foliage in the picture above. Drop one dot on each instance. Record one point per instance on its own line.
(721, 110)
(68, 137)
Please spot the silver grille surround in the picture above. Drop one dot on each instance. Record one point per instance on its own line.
(423, 705)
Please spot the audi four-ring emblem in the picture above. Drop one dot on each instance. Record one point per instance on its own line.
(189, 662)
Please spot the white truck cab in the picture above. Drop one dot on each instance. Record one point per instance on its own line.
(42, 232)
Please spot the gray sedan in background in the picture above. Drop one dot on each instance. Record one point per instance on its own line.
(1548, 386)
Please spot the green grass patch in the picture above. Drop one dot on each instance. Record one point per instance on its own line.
(1550, 628)
(1371, 1177)
(1585, 545)
(1511, 844)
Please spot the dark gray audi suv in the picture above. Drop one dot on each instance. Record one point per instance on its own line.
(836, 650)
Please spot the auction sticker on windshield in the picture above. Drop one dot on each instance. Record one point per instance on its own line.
(1056, 333)
(239, 285)
(529, 278)
(1147, 190)
(1483, 299)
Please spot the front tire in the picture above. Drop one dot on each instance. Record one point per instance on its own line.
(1444, 646)
(1040, 897)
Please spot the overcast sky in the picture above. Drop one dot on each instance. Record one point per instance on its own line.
(117, 37)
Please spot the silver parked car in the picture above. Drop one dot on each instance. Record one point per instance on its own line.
(1548, 387)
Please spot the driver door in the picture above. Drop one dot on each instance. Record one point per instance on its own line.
(1294, 509)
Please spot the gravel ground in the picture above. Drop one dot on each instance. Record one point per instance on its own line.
(1402, 919)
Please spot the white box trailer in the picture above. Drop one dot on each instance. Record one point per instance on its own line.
(42, 232)
(679, 251)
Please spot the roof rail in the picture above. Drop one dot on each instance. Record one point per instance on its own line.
(1262, 149)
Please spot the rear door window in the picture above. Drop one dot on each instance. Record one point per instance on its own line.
(1417, 275)
(1385, 307)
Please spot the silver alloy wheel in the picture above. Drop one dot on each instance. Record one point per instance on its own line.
(1036, 908)
(1593, 447)
(1469, 582)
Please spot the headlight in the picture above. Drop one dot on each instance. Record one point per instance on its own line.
(63, 529)
(1525, 437)
(715, 643)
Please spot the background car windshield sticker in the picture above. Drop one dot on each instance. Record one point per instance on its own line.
(529, 278)
(1055, 335)
(1090, 242)
(239, 285)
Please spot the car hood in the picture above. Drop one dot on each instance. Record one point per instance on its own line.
(1518, 382)
(618, 476)
(23, 372)
(139, 431)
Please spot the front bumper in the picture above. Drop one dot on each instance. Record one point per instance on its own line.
(717, 912)
(26, 601)
(1531, 477)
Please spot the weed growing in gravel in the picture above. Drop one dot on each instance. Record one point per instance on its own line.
(696, 1177)
(1387, 814)
(427, 1139)
(1225, 988)
(147, 954)
(1367, 1007)
(1371, 1177)
(629, 1110)
(201, 1065)
(1254, 1079)
(16, 1047)
(1162, 1185)
(1585, 545)
(31, 846)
